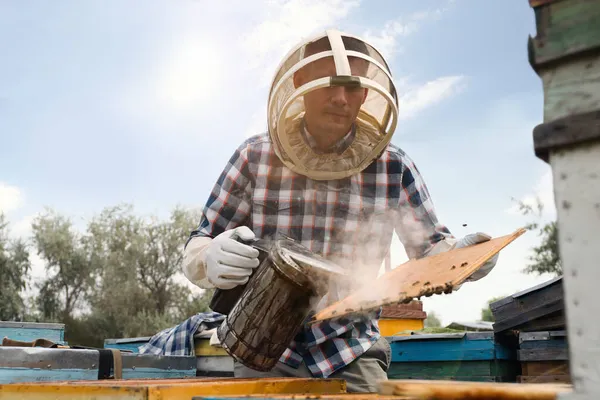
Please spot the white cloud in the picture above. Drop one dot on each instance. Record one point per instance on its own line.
(10, 198)
(189, 77)
(542, 191)
(416, 99)
(385, 40)
(285, 24)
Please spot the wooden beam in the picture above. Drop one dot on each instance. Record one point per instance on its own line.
(162, 389)
(452, 390)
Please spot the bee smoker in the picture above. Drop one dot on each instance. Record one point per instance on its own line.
(264, 315)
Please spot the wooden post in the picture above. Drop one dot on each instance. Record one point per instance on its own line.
(566, 55)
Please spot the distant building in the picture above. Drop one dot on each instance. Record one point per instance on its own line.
(477, 326)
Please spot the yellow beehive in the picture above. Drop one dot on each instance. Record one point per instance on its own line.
(402, 317)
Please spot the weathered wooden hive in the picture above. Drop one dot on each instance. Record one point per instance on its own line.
(537, 317)
(536, 309)
(544, 357)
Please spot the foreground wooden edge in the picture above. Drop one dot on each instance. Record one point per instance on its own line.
(171, 389)
(450, 390)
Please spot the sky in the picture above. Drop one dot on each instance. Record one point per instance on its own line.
(143, 102)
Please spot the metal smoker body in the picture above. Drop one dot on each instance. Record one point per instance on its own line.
(274, 304)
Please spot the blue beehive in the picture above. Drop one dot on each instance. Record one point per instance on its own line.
(468, 356)
(30, 331)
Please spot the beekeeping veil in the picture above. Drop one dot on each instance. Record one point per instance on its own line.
(357, 66)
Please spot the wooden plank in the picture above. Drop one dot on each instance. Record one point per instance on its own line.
(41, 392)
(550, 321)
(544, 379)
(522, 301)
(161, 389)
(542, 335)
(441, 369)
(565, 28)
(353, 396)
(132, 347)
(468, 378)
(451, 390)
(524, 308)
(420, 277)
(509, 299)
(406, 352)
(543, 354)
(545, 316)
(551, 343)
(536, 368)
(403, 314)
(25, 364)
(448, 348)
(16, 375)
(248, 386)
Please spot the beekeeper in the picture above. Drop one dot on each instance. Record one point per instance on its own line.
(326, 175)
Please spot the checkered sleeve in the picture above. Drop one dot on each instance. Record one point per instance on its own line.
(229, 204)
(417, 224)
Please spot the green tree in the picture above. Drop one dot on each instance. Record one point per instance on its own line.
(486, 313)
(14, 273)
(68, 266)
(137, 292)
(432, 320)
(121, 277)
(545, 258)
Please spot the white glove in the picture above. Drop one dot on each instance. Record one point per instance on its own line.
(229, 263)
(471, 240)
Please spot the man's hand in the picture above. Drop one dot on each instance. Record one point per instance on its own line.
(229, 263)
(471, 240)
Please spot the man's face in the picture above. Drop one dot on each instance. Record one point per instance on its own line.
(331, 111)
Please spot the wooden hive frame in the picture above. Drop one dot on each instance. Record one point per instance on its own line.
(426, 276)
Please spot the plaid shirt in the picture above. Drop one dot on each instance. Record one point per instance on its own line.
(350, 221)
(179, 340)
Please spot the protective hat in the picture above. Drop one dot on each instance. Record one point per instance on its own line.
(332, 59)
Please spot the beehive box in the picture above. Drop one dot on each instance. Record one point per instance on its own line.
(544, 357)
(211, 361)
(341, 396)
(536, 309)
(171, 388)
(30, 331)
(398, 318)
(445, 390)
(468, 356)
(37, 364)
